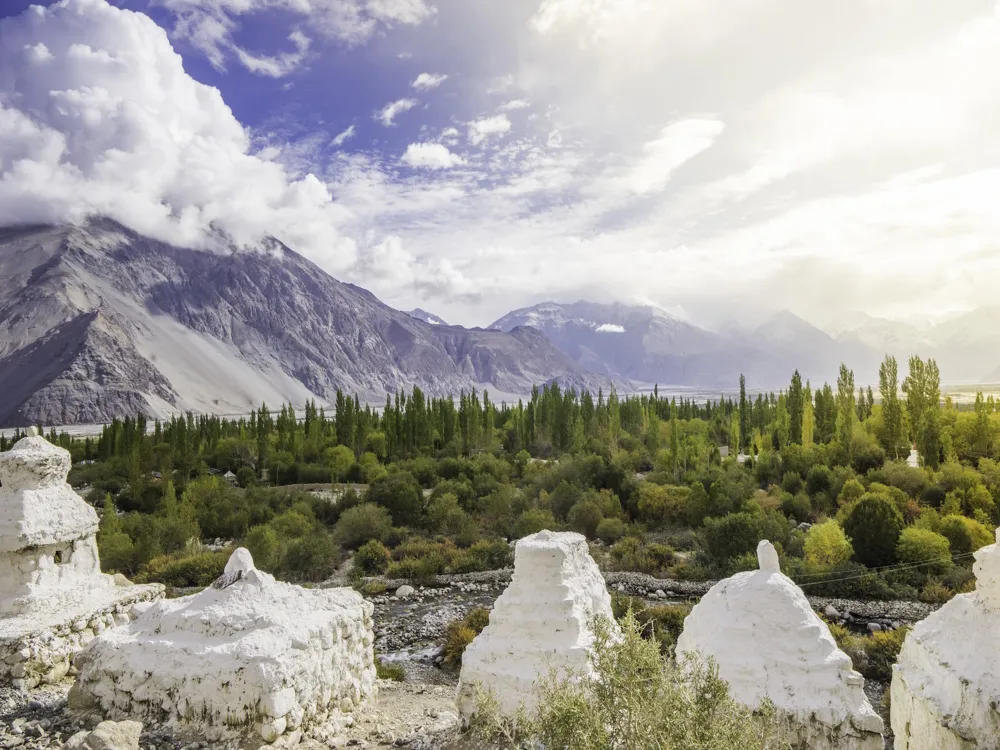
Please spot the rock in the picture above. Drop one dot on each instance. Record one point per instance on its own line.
(831, 612)
(768, 644)
(541, 622)
(660, 594)
(946, 681)
(404, 592)
(110, 735)
(874, 627)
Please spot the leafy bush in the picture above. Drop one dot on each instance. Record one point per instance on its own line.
(460, 633)
(641, 701)
(533, 521)
(194, 570)
(584, 518)
(400, 494)
(874, 524)
(310, 558)
(826, 544)
(386, 671)
(872, 655)
(610, 530)
(932, 551)
(372, 558)
(363, 522)
(963, 534)
(731, 536)
(265, 547)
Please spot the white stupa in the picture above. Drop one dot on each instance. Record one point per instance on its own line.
(946, 681)
(247, 657)
(53, 596)
(541, 622)
(769, 644)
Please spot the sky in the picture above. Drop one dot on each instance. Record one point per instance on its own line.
(719, 158)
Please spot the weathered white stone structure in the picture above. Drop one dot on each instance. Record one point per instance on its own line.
(542, 622)
(53, 596)
(768, 643)
(249, 657)
(946, 683)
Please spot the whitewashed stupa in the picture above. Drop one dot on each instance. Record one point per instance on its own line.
(541, 622)
(769, 644)
(946, 681)
(248, 657)
(53, 596)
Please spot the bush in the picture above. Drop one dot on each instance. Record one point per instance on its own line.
(264, 546)
(661, 623)
(924, 546)
(641, 701)
(246, 477)
(483, 555)
(873, 655)
(584, 518)
(372, 558)
(310, 558)
(610, 530)
(460, 633)
(363, 522)
(874, 525)
(534, 520)
(963, 534)
(194, 570)
(385, 671)
(826, 545)
(731, 536)
(400, 494)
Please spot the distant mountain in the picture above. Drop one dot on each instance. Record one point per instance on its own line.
(99, 321)
(427, 317)
(968, 347)
(645, 343)
(881, 334)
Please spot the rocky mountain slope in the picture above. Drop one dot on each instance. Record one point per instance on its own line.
(647, 344)
(98, 321)
(427, 317)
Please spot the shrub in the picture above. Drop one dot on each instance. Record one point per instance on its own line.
(400, 494)
(963, 534)
(931, 550)
(264, 546)
(372, 558)
(373, 588)
(390, 671)
(194, 570)
(584, 518)
(310, 558)
(483, 555)
(533, 521)
(827, 545)
(731, 536)
(797, 506)
(873, 655)
(363, 522)
(935, 592)
(641, 701)
(460, 633)
(610, 530)
(874, 525)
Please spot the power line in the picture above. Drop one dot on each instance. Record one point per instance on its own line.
(908, 566)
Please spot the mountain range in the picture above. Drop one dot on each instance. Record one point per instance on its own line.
(97, 321)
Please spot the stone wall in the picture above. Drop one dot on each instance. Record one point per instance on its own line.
(35, 652)
(250, 657)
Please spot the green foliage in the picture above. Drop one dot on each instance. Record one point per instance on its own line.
(932, 551)
(246, 476)
(630, 553)
(642, 701)
(963, 534)
(264, 546)
(460, 633)
(363, 522)
(610, 530)
(400, 494)
(872, 655)
(385, 671)
(584, 518)
(533, 521)
(731, 536)
(874, 524)
(372, 558)
(826, 545)
(192, 570)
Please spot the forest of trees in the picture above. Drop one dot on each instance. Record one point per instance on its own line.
(432, 485)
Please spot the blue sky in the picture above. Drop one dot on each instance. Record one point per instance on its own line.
(721, 161)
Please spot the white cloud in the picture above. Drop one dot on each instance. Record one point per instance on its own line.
(428, 81)
(515, 104)
(109, 123)
(500, 84)
(610, 328)
(388, 113)
(430, 156)
(341, 138)
(678, 143)
(480, 130)
(449, 134)
(211, 24)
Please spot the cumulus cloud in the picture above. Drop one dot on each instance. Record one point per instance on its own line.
(515, 104)
(428, 81)
(106, 121)
(480, 130)
(388, 113)
(430, 156)
(342, 137)
(211, 25)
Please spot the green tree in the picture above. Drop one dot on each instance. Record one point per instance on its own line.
(744, 415)
(827, 545)
(795, 409)
(922, 546)
(340, 459)
(892, 410)
(400, 494)
(874, 525)
(363, 522)
(846, 416)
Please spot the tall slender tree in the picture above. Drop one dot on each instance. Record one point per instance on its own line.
(892, 410)
(846, 414)
(794, 402)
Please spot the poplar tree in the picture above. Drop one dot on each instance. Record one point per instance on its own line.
(892, 410)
